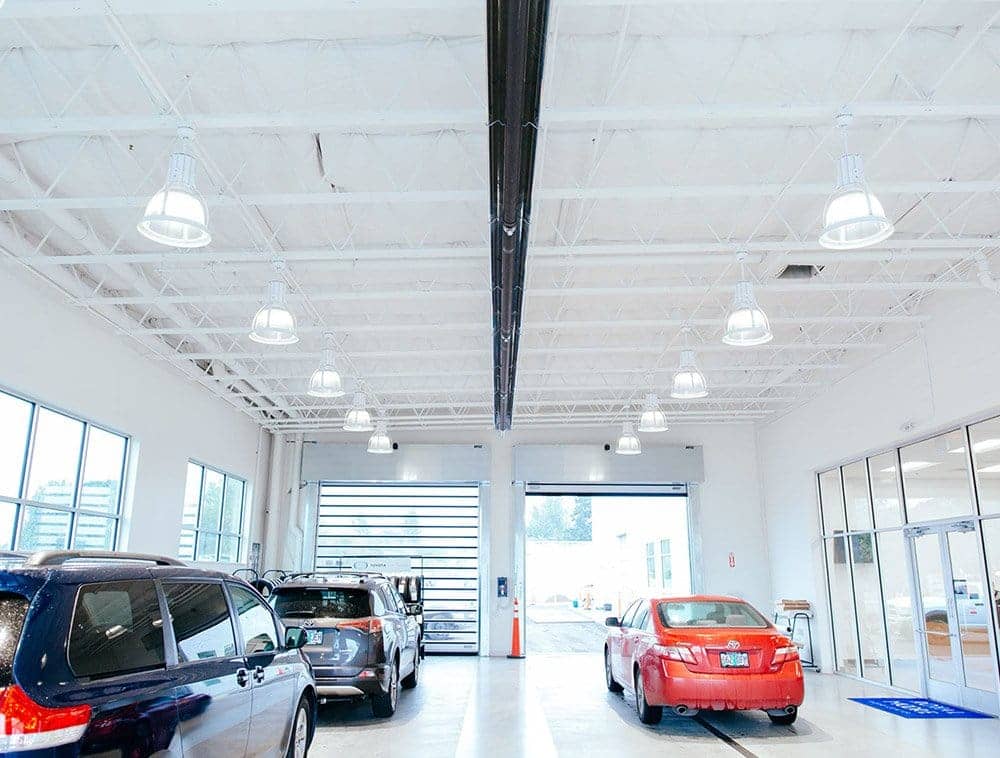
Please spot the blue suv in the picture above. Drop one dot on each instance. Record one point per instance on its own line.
(134, 655)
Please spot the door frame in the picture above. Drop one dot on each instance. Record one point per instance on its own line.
(958, 693)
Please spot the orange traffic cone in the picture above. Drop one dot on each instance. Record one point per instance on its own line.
(515, 635)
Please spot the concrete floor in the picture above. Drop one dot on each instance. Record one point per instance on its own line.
(557, 705)
(563, 629)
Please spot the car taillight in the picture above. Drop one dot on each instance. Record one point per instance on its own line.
(371, 625)
(784, 655)
(677, 653)
(26, 725)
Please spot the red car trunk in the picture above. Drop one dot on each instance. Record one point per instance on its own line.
(708, 646)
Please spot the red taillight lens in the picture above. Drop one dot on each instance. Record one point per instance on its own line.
(677, 653)
(26, 725)
(784, 655)
(371, 625)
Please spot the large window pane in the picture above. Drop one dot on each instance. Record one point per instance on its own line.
(55, 459)
(978, 658)
(94, 532)
(44, 529)
(885, 490)
(15, 420)
(938, 629)
(986, 455)
(192, 496)
(868, 600)
(229, 549)
(859, 509)
(202, 625)
(832, 498)
(103, 468)
(208, 546)
(898, 611)
(211, 501)
(842, 605)
(232, 506)
(936, 478)
(991, 538)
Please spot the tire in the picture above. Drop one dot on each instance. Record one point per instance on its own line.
(413, 679)
(648, 714)
(301, 736)
(609, 678)
(785, 719)
(384, 703)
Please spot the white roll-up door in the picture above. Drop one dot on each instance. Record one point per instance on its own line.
(435, 526)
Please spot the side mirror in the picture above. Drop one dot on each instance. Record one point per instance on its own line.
(295, 637)
(414, 609)
(612, 621)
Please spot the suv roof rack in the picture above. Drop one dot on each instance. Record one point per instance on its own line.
(336, 574)
(59, 557)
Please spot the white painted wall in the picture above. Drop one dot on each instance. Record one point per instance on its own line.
(729, 516)
(950, 375)
(60, 356)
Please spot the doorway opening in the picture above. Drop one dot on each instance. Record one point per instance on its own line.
(588, 556)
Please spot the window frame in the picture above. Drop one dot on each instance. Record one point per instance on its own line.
(196, 530)
(21, 501)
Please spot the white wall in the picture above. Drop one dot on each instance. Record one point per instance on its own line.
(931, 384)
(61, 356)
(729, 517)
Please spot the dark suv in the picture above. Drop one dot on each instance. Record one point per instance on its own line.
(134, 655)
(361, 638)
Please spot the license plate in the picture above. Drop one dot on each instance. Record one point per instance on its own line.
(314, 637)
(734, 660)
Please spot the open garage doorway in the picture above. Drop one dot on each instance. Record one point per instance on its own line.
(588, 556)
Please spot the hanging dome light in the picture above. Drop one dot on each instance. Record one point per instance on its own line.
(628, 443)
(652, 419)
(176, 215)
(853, 217)
(380, 443)
(325, 380)
(747, 324)
(358, 418)
(274, 324)
(689, 383)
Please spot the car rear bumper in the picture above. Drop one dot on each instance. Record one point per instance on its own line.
(366, 683)
(673, 684)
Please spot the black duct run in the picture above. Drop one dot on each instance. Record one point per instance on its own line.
(515, 53)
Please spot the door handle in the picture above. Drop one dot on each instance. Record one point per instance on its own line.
(242, 677)
(258, 674)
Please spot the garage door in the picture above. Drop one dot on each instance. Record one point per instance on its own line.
(436, 527)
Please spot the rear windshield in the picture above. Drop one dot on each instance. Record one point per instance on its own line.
(333, 602)
(13, 609)
(709, 613)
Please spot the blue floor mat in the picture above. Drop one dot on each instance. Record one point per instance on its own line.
(918, 708)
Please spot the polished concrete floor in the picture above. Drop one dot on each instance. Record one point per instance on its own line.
(557, 705)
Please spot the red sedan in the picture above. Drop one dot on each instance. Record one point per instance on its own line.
(702, 652)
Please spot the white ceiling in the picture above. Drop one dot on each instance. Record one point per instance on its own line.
(349, 139)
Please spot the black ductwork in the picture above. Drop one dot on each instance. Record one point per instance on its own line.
(515, 51)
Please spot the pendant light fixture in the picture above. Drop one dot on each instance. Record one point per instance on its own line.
(358, 418)
(380, 443)
(689, 383)
(747, 324)
(853, 217)
(325, 380)
(274, 324)
(628, 443)
(652, 418)
(176, 215)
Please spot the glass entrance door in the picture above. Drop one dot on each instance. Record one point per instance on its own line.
(954, 622)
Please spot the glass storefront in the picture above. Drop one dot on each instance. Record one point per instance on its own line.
(912, 547)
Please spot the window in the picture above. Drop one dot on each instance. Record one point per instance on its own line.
(640, 618)
(61, 479)
(117, 629)
(256, 622)
(651, 564)
(666, 569)
(936, 478)
(630, 613)
(212, 519)
(709, 613)
(200, 617)
(308, 603)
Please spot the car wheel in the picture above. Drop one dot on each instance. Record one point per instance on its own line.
(613, 686)
(384, 703)
(648, 714)
(298, 744)
(784, 719)
(412, 680)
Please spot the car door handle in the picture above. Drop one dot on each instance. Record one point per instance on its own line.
(258, 674)
(243, 677)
